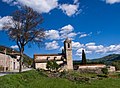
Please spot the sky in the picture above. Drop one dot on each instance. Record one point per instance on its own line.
(93, 25)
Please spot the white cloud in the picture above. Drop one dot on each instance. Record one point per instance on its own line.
(5, 20)
(62, 33)
(79, 52)
(14, 47)
(52, 45)
(71, 35)
(76, 1)
(69, 9)
(85, 35)
(61, 48)
(7, 1)
(11, 2)
(113, 49)
(77, 45)
(112, 1)
(41, 6)
(66, 29)
(45, 6)
(90, 44)
(92, 48)
(103, 49)
(52, 34)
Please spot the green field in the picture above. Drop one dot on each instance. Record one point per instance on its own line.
(33, 79)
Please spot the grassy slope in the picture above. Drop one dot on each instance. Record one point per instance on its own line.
(32, 79)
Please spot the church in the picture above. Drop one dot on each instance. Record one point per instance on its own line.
(64, 59)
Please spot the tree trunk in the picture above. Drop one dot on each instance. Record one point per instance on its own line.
(20, 64)
(21, 59)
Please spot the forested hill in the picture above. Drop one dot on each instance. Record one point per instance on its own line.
(103, 60)
(27, 60)
(108, 59)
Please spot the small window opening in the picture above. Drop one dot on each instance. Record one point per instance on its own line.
(55, 58)
(68, 45)
(47, 58)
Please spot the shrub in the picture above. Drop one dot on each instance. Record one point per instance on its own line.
(52, 66)
(1, 68)
(116, 64)
(105, 71)
(103, 76)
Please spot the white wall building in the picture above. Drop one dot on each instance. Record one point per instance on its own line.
(64, 59)
(9, 62)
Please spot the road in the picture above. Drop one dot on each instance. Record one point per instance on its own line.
(14, 71)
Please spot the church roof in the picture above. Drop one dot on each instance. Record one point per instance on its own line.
(59, 54)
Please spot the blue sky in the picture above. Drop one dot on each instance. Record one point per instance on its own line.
(93, 25)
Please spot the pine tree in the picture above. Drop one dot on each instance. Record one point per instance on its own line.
(84, 61)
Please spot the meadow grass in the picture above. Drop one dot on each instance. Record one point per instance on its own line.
(33, 79)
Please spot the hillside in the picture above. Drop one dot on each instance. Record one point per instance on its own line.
(27, 60)
(103, 60)
(35, 79)
(108, 59)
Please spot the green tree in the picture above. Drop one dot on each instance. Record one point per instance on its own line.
(84, 61)
(116, 64)
(55, 65)
(52, 66)
(48, 65)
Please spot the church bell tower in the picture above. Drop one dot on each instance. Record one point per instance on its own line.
(68, 53)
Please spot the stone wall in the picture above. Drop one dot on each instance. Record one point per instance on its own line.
(111, 68)
(40, 61)
(91, 68)
(9, 62)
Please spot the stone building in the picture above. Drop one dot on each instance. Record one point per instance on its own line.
(10, 62)
(111, 68)
(64, 59)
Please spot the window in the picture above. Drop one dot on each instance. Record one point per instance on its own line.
(68, 45)
(55, 58)
(48, 58)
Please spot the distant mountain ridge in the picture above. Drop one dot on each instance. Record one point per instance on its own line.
(108, 59)
(27, 60)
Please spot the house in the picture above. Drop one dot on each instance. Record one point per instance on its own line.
(64, 59)
(8, 62)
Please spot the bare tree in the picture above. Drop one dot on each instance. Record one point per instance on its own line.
(24, 29)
